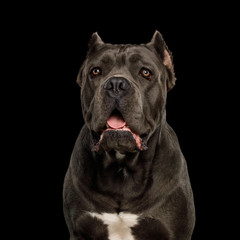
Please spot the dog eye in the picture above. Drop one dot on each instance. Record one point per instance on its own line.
(96, 71)
(146, 73)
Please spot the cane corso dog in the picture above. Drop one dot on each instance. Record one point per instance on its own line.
(127, 178)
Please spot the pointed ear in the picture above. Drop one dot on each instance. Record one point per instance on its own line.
(158, 43)
(94, 42)
(162, 50)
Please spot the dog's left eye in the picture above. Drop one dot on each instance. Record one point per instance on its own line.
(96, 71)
(146, 73)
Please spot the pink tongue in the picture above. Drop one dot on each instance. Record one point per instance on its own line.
(116, 122)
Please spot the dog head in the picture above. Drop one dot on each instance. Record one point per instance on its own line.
(123, 91)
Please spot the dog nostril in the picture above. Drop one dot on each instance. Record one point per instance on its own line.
(108, 85)
(123, 85)
(116, 84)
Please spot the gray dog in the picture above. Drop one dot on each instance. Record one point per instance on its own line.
(127, 178)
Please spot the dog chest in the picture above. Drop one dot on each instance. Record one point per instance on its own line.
(118, 225)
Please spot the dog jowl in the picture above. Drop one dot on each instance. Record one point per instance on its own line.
(127, 177)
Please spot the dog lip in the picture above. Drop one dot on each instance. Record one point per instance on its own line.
(138, 140)
(121, 126)
(141, 140)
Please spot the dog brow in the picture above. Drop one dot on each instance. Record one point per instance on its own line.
(107, 59)
(135, 58)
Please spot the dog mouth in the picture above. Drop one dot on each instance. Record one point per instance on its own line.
(116, 128)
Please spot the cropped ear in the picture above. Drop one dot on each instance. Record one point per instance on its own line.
(162, 50)
(94, 42)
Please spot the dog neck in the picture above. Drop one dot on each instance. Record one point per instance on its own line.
(119, 173)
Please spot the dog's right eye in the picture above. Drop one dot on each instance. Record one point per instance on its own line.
(96, 71)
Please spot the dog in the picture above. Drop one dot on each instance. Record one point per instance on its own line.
(127, 178)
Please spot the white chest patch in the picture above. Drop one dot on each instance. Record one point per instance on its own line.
(118, 224)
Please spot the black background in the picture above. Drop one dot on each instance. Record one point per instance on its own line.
(46, 47)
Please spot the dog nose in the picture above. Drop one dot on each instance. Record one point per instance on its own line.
(116, 86)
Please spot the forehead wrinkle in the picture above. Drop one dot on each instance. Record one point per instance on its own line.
(121, 58)
(107, 58)
(141, 61)
(135, 58)
(111, 55)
